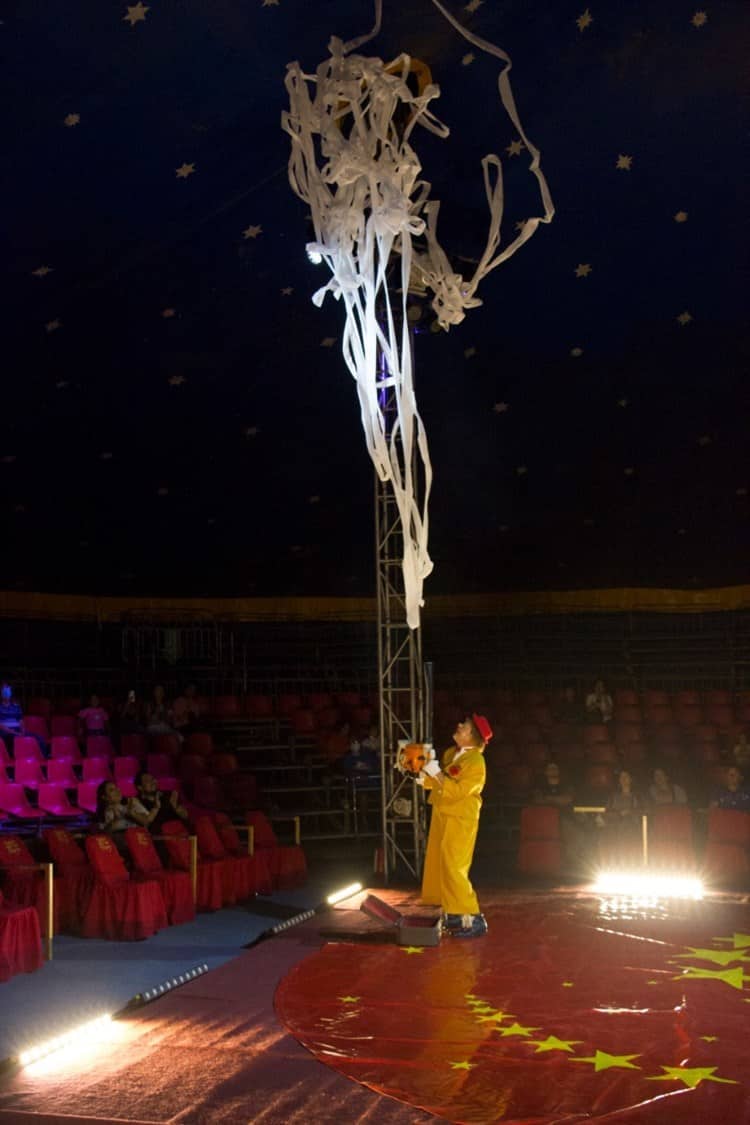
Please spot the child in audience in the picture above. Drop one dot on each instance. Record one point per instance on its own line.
(94, 718)
(599, 705)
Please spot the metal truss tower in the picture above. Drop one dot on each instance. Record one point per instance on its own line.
(401, 680)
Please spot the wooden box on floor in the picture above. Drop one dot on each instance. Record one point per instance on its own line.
(411, 929)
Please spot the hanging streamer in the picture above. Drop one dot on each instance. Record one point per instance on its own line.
(360, 177)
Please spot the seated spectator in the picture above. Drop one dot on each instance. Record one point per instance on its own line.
(662, 791)
(113, 815)
(623, 804)
(599, 705)
(131, 718)
(733, 795)
(741, 751)
(553, 791)
(185, 711)
(568, 709)
(11, 720)
(150, 808)
(362, 766)
(159, 715)
(94, 718)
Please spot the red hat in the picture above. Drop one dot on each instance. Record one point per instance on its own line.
(483, 726)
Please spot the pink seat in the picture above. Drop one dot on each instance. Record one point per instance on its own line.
(60, 772)
(133, 745)
(199, 743)
(63, 746)
(53, 799)
(5, 758)
(13, 800)
(165, 744)
(99, 746)
(26, 749)
(64, 725)
(87, 795)
(96, 770)
(126, 768)
(29, 774)
(161, 766)
(36, 724)
(227, 706)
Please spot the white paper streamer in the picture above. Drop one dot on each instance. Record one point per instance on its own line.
(360, 177)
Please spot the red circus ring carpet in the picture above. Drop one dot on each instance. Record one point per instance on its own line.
(571, 1009)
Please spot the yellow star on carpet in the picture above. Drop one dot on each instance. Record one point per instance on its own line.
(739, 941)
(516, 1029)
(252, 232)
(495, 1016)
(515, 148)
(349, 999)
(691, 1076)
(42, 271)
(287, 291)
(412, 949)
(467, 60)
(583, 269)
(567, 984)
(552, 1043)
(604, 1061)
(585, 20)
(136, 14)
(71, 120)
(328, 341)
(465, 1065)
(733, 977)
(480, 1006)
(699, 19)
(624, 163)
(472, 996)
(684, 318)
(710, 1038)
(184, 171)
(680, 216)
(718, 956)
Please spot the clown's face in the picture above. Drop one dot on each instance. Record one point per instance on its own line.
(464, 734)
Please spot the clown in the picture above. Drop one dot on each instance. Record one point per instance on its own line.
(456, 799)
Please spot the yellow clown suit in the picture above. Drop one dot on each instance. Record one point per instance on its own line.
(456, 800)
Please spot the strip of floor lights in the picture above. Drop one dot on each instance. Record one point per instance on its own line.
(344, 893)
(167, 986)
(76, 1035)
(641, 884)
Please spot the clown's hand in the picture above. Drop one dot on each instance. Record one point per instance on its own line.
(431, 768)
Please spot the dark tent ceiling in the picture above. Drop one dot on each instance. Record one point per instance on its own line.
(174, 416)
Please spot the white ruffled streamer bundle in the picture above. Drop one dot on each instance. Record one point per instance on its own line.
(360, 177)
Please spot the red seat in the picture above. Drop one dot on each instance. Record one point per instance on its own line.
(99, 746)
(603, 753)
(13, 800)
(362, 716)
(656, 697)
(65, 747)
(628, 713)
(210, 891)
(74, 878)
(191, 766)
(26, 749)
(303, 721)
(54, 800)
(200, 743)
(599, 778)
(64, 726)
(532, 698)
(633, 753)
(20, 940)
(658, 713)
(133, 745)
(327, 717)
(230, 838)
(175, 885)
(689, 715)
(39, 705)
(122, 908)
(86, 798)
(259, 706)
(227, 707)
(96, 770)
(36, 724)
(625, 697)
(223, 765)
(539, 850)
(517, 779)
(705, 732)
(168, 744)
(125, 767)
(540, 714)
(238, 876)
(727, 855)
(528, 733)
(29, 774)
(161, 767)
(24, 882)
(670, 837)
(596, 732)
(287, 862)
(687, 698)
(536, 754)
(628, 732)
(348, 699)
(718, 696)
(207, 792)
(60, 772)
(288, 703)
(720, 714)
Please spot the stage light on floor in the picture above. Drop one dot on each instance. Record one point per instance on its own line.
(167, 986)
(642, 885)
(80, 1035)
(344, 893)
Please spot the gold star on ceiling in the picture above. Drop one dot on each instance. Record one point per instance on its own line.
(583, 269)
(184, 171)
(691, 1076)
(576, 352)
(699, 19)
(287, 291)
(176, 380)
(252, 232)
(349, 999)
(468, 59)
(168, 313)
(465, 1065)
(624, 163)
(515, 148)
(552, 1043)
(136, 14)
(41, 271)
(411, 949)
(516, 1029)
(501, 408)
(604, 1061)
(53, 325)
(584, 20)
(684, 318)
(71, 120)
(681, 216)
(328, 341)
